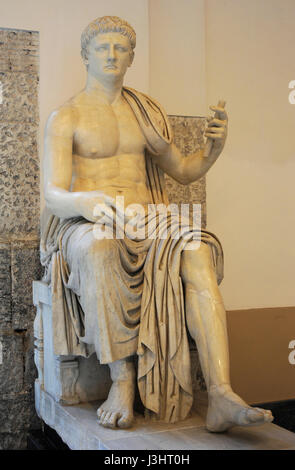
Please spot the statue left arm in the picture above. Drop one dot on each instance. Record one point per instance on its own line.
(185, 170)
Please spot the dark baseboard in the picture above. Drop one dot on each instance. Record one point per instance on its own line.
(45, 439)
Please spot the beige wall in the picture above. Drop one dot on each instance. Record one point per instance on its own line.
(177, 55)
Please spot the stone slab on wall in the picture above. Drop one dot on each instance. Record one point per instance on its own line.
(19, 121)
(188, 137)
(19, 231)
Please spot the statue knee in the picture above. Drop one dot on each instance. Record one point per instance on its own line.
(199, 258)
(99, 250)
(197, 270)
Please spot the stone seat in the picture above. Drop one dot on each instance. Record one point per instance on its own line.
(70, 380)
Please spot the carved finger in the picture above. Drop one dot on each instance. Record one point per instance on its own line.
(214, 136)
(215, 130)
(103, 211)
(221, 112)
(217, 122)
(109, 198)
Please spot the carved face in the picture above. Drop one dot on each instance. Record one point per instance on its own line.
(109, 55)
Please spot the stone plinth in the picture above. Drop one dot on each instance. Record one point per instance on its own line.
(77, 426)
(19, 231)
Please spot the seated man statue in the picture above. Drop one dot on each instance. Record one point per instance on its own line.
(121, 296)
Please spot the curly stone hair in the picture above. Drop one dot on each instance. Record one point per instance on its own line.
(106, 24)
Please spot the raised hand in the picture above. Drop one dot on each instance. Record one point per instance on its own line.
(216, 130)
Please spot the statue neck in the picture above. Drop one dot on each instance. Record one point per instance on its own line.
(109, 90)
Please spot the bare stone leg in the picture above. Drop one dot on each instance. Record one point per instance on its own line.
(117, 410)
(206, 321)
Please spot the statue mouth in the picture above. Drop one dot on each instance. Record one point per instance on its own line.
(111, 67)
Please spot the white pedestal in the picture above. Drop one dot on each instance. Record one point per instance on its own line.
(78, 427)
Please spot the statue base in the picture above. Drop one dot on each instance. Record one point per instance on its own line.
(78, 427)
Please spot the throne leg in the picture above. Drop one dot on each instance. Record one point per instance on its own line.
(67, 373)
(39, 346)
(39, 356)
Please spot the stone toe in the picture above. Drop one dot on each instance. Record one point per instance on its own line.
(112, 419)
(102, 416)
(99, 413)
(125, 421)
(255, 415)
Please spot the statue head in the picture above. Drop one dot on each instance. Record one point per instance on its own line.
(106, 24)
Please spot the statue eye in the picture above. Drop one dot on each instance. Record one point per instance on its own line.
(100, 48)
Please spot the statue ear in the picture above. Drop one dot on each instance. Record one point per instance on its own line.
(131, 58)
(84, 57)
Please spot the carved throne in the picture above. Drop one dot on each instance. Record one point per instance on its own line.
(67, 379)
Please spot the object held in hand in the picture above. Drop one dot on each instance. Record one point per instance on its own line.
(209, 142)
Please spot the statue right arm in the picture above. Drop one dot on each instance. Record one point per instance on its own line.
(58, 163)
(58, 169)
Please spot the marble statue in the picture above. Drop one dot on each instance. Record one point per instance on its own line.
(133, 296)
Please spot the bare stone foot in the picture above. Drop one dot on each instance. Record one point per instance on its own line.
(117, 410)
(227, 409)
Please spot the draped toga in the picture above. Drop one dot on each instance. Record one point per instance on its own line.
(122, 297)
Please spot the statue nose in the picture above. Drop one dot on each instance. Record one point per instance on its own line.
(112, 54)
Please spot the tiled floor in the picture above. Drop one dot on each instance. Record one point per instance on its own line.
(78, 427)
